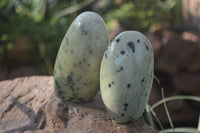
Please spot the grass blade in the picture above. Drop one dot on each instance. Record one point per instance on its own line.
(198, 128)
(172, 98)
(180, 130)
(149, 116)
(167, 111)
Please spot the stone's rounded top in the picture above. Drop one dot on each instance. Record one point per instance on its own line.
(88, 23)
(130, 47)
(89, 14)
(130, 32)
(135, 36)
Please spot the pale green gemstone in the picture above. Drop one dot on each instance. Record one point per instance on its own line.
(77, 66)
(126, 76)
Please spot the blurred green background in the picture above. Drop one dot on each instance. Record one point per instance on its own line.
(31, 30)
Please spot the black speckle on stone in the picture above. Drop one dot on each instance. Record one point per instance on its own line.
(138, 41)
(71, 87)
(120, 69)
(74, 94)
(145, 94)
(112, 82)
(60, 92)
(69, 79)
(125, 106)
(84, 60)
(67, 41)
(131, 46)
(122, 114)
(79, 62)
(147, 47)
(77, 80)
(71, 73)
(109, 85)
(122, 52)
(84, 30)
(118, 40)
(106, 55)
(90, 51)
(70, 82)
(57, 84)
(117, 56)
(72, 51)
(142, 80)
(88, 64)
(128, 85)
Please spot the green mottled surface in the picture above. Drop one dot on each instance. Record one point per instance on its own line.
(126, 76)
(77, 66)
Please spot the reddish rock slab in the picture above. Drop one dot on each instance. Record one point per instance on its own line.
(29, 105)
(22, 101)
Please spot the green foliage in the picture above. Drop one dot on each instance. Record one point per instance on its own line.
(140, 14)
(30, 18)
(46, 21)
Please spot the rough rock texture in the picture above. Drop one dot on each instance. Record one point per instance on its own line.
(28, 105)
(22, 101)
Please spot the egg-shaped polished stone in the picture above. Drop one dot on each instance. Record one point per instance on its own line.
(77, 66)
(126, 76)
